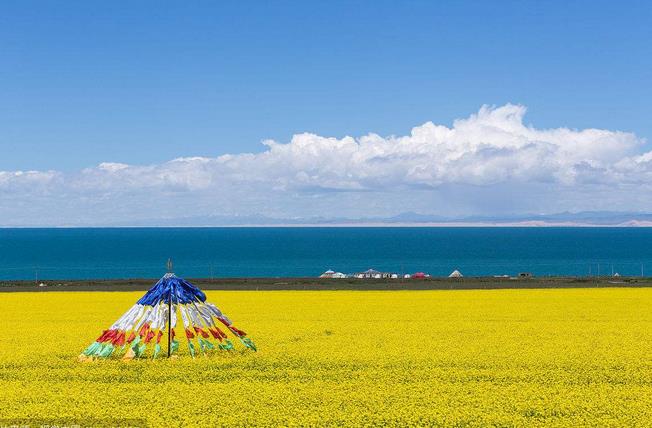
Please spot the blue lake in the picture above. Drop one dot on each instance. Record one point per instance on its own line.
(294, 252)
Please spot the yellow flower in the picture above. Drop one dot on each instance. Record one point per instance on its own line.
(369, 358)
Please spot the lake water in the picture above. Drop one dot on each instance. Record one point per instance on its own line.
(293, 252)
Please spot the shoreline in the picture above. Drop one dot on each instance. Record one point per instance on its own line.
(434, 224)
(278, 284)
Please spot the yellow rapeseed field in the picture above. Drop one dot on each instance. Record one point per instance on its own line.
(410, 358)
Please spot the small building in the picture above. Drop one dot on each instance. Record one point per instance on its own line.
(332, 274)
(419, 275)
(374, 274)
(328, 274)
(456, 274)
(369, 273)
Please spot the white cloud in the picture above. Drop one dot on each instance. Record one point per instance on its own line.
(28, 181)
(488, 155)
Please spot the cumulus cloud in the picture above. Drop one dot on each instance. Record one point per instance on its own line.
(492, 153)
(28, 181)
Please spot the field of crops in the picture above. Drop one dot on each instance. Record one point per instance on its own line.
(578, 357)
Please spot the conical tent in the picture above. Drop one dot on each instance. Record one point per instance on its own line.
(455, 274)
(139, 332)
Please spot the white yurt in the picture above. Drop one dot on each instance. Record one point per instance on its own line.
(456, 274)
(328, 274)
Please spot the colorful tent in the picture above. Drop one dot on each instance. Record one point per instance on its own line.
(139, 332)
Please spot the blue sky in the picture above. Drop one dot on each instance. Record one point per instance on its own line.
(142, 83)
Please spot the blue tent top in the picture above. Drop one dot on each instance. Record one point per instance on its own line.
(171, 286)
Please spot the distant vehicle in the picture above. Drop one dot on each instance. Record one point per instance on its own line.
(525, 275)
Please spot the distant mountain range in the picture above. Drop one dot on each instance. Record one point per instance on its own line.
(586, 218)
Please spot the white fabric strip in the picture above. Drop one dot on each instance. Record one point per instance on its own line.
(160, 315)
(144, 318)
(225, 319)
(194, 316)
(128, 322)
(205, 313)
(216, 312)
(126, 316)
(184, 316)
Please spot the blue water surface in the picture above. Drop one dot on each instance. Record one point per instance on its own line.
(300, 252)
